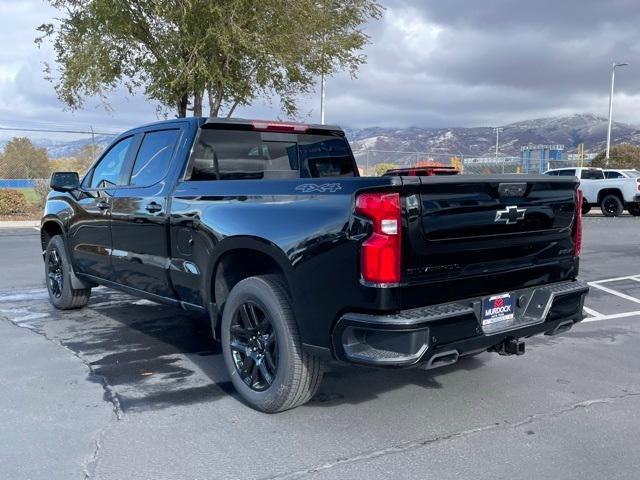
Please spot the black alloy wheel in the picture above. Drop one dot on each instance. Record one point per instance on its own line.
(55, 276)
(611, 206)
(254, 346)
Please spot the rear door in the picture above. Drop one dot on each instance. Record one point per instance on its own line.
(89, 233)
(514, 232)
(139, 224)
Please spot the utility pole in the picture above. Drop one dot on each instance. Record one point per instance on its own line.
(613, 77)
(498, 130)
(93, 143)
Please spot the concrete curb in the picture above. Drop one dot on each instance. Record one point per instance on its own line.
(20, 224)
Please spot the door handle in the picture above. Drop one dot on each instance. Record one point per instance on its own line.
(153, 207)
(103, 205)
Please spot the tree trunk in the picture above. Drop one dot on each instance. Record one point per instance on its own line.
(182, 106)
(197, 104)
(233, 107)
(214, 102)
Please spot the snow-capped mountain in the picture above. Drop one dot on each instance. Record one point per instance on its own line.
(472, 141)
(477, 141)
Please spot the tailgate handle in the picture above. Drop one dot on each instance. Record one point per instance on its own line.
(512, 189)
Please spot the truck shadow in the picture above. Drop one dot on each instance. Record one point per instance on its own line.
(153, 356)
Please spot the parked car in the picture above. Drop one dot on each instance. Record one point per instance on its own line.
(621, 173)
(611, 193)
(426, 171)
(268, 229)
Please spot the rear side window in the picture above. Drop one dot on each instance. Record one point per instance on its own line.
(592, 175)
(108, 171)
(613, 175)
(567, 173)
(246, 155)
(154, 157)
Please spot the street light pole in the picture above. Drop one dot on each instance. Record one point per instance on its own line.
(322, 99)
(613, 77)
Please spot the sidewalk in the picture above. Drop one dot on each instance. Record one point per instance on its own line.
(19, 223)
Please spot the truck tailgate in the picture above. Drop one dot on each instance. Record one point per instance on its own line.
(469, 226)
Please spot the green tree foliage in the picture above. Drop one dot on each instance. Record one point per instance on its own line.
(624, 155)
(229, 51)
(21, 159)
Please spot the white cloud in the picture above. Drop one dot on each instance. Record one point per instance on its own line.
(431, 63)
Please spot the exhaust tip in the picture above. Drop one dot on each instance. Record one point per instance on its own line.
(442, 359)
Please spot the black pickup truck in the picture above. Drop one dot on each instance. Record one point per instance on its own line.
(268, 228)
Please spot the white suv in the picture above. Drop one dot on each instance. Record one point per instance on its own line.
(612, 190)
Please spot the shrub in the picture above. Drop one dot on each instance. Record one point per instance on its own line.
(42, 190)
(12, 202)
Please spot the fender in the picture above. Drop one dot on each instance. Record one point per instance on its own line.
(76, 282)
(230, 244)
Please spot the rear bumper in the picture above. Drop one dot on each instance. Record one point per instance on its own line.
(421, 335)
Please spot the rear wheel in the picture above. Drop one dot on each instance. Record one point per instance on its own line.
(262, 348)
(611, 206)
(634, 209)
(62, 295)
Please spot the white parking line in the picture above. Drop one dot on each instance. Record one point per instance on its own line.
(613, 316)
(616, 279)
(614, 292)
(591, 312)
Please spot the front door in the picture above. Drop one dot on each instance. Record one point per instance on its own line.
(89, 236)
(139, 218)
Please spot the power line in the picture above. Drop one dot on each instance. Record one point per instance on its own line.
(45, 130)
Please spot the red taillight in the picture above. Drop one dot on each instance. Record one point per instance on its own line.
(638, 184)
(279, 126)
(577, 233)
(380, 259)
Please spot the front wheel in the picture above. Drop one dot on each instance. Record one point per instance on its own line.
(586, 208)
(62, 295)
(611, 206)
(634, 209)
(262, 348)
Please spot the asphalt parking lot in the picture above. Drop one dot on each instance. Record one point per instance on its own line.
(130, 389)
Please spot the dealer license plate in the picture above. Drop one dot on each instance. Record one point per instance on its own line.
(498, 308)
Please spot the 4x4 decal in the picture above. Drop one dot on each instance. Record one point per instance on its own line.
(319, 187)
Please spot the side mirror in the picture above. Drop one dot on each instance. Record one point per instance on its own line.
(64, 181)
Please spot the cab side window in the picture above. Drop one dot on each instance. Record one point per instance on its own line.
(567, 173)
(108, 171)
(592, 174)
(154, 157)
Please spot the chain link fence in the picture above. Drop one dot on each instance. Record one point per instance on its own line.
(27, 161)
(375, 162)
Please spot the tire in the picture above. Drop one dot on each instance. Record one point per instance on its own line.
(586, 208)
(259, 307)
(611, 206)
(634, 209)
(57, 268)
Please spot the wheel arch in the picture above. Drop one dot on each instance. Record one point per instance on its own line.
(49, 228)
(610, 191)
(238, 258)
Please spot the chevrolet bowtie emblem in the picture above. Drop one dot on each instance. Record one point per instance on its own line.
(510, 215)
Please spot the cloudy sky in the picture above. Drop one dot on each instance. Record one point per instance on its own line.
(432, 63)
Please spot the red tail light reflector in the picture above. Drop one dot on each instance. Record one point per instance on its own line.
(577, 234)
(381, 252)
(279, 126)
